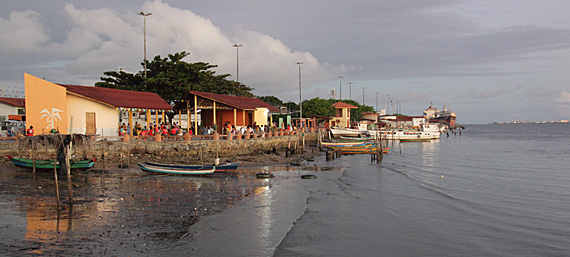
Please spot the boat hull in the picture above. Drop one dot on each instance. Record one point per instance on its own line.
(226, 167)
(176, 171)
(49, 165)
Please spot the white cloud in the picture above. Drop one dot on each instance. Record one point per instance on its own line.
(22, 33)
(102, 39)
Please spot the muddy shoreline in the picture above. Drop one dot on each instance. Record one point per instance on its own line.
(120, 212)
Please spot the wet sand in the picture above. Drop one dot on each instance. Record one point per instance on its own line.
(119, 212)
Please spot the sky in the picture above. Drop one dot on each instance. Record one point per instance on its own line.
(488, 60)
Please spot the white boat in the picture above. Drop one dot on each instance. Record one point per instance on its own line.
(426, 131)
(347, 132)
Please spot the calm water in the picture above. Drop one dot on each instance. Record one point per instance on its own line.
(496, 190)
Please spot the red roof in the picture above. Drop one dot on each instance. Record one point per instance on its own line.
(14, 102)
(339, 105)
(244, 103)
(120, 98)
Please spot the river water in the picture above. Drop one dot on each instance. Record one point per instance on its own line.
(494, 190)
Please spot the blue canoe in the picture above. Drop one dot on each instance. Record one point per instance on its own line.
(232, 166)
(176, 171)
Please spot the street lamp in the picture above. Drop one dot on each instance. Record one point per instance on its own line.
(350, 90)
(376, 101)
(340, 96)
(237, 60)
(144, 22)
(363, 95)
(300, 101)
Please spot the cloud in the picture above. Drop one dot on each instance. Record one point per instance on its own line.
(22, 33)
(103, 39)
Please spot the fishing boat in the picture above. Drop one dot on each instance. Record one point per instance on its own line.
(355, 139)
(347, 132)
(176, 171)
(226, 167)
(48, 164)
(426, 131)
(416, 140)
(344, 144)
(362, 150)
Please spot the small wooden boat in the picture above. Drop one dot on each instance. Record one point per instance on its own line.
(225, 167)
(176, 171)
(362, 150)
(48, 164)
(349, 144)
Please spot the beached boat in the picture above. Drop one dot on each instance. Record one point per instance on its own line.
(355, 139)
(225, 167)
(176, 171)
(48, 164)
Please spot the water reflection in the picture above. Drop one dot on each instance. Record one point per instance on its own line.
(118, 211)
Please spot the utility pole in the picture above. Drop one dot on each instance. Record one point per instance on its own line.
(144, 29)
(340, 95)
(300, 101)
(350, 90)
(363, 95)
(376, 101)
(237, 60)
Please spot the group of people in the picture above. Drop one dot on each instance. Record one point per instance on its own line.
(154, 129)
(228, 128)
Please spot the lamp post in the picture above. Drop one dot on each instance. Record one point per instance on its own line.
(144, 29)
(340, 95)
(350, 90)
(376, 101)
(363, 95)
(300, 100)
(237, 60)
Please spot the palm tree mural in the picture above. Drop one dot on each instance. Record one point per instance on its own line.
(51, 116)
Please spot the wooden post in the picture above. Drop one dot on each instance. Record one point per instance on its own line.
(195, 115)
(130, 122)
(56, 182)
(148, 118)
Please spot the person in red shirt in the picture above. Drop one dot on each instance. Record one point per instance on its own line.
(30, 131)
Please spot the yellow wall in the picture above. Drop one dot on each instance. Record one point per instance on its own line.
(106, 117)
(260, 116)
(46, 105)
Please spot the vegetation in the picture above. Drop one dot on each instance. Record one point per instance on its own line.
(172, 78)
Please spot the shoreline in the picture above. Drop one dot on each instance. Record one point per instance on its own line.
(121, 212)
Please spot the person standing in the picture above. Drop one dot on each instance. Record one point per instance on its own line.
(30, 132)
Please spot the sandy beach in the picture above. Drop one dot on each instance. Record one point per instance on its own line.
(118, 211)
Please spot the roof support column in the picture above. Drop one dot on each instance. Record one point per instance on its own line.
(130, 122)
(163, 120)
(148, 118)
(235, 117)
(243, 118)
(195, 115)
(214, 112)
(180, 118)
(188, 115)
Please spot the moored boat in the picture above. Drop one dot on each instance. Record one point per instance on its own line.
(49, 164)
(176, 171)
(226, 167)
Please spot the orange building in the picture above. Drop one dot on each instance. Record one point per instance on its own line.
(82, 109)
(239, 111)
(342, 118)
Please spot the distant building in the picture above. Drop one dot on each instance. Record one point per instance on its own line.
(12, 116)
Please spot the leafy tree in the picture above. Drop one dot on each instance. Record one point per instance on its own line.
(172, 78)
(318, 107)
(272, 100)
